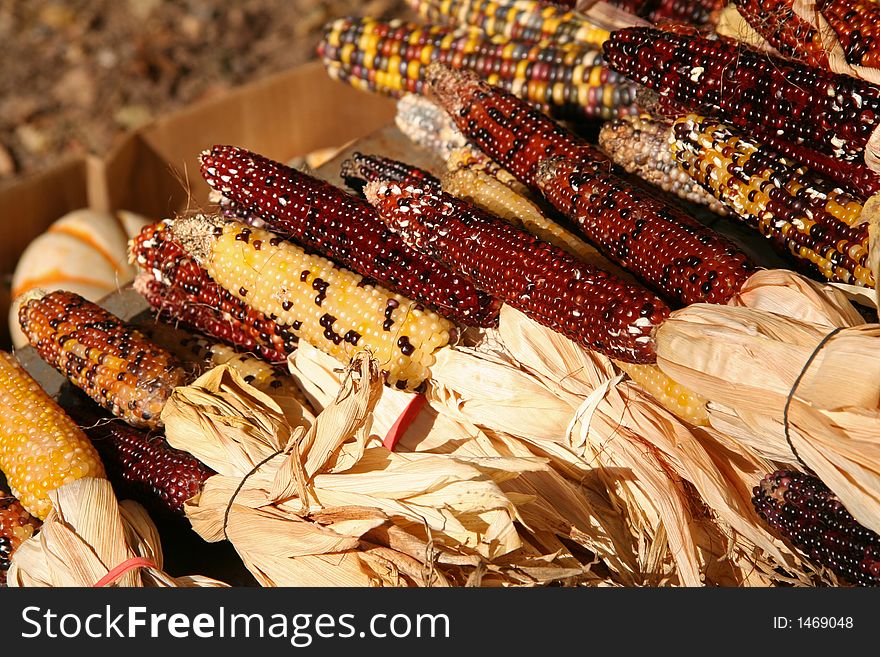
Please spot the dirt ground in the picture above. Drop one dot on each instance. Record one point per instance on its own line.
(77, 74)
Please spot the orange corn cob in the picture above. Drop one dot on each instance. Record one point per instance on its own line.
(41, 448)
(113, 363)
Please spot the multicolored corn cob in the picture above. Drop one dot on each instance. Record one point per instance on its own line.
(527, 20)
(755, 91)
(16, 526)
(427, 125)
(359, 169)
(142, 466)
(344, 228)
(390, 57)
(785, 30)
(584, 303)
(179, 290)
(332, 309)
(664, 247)
(41, 448)
(857, 26)
(811, 517)
(640, 144)
(111, 362)
(816, 222)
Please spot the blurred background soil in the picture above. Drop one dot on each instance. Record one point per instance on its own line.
(78, 74)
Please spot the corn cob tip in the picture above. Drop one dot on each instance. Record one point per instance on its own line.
(450, 87)
(195, 233)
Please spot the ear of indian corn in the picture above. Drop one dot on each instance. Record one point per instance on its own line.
(804, 105)
(584, 303)
(674, 397)
(331, 308)
(640, 144)
(811, 517)
(142, 466)
(390, 57)
(817, 223)
(784, 29)
(665, 248)
(528, 20)
(16, 526)
(41, 448)
(342, 227)
(178, 289)
(111, 362)
(427, 125)
(689, 12)
(359, 169)
(857, 26)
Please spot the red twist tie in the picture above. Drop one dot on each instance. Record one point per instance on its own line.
(121, 569)
(395, 433)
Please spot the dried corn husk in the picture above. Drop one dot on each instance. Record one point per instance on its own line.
(330, 506)
(86, 535)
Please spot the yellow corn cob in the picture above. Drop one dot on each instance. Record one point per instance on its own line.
(472, 159)
(41, 448)
(674, 397)
(331, 308)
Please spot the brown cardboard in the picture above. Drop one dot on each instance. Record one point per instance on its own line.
(154, 170)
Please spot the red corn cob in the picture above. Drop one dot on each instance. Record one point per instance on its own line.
(790, 34)
(857, 26)
(766, 95)
(360, 169)
(142, 466)
(584, 303)
(115, 364)
(807, 513)
(177, 288)
(666, 248)
(16, 526)
(344, 228)
(689, 12)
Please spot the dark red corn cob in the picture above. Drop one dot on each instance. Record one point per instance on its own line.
(783, 29)
(811, 517)
(360, 169)
(344, 228)
(666, 248)
(766, 95)
(584, 303)
(689, 12)
(857, 26)
(140, 465)
(16, 526)
(178, 289)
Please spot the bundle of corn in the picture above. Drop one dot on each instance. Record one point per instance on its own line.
(840, 35)
(322, 504)
(806, 406)
(91, 539)
(390, 57)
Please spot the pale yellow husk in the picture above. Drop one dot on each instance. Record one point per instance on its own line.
(86, 535)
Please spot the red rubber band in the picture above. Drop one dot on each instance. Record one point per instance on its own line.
(402, 424)
(121, 569)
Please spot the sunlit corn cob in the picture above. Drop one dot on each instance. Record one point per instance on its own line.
(857, 26)
(142, 466)
(111, 362)
(41, 448)
(818, 223)
(390, 58)
(811, 517)
(16, 526)
(667, 249)
(203, 354)
(344, 228)
(583, 302)
(179, 290)
(331, 308)
(359, 169)
(755, 91)
(427, 125)
(674, 397)
(790, 34)
(528, 20)
(640, 144)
